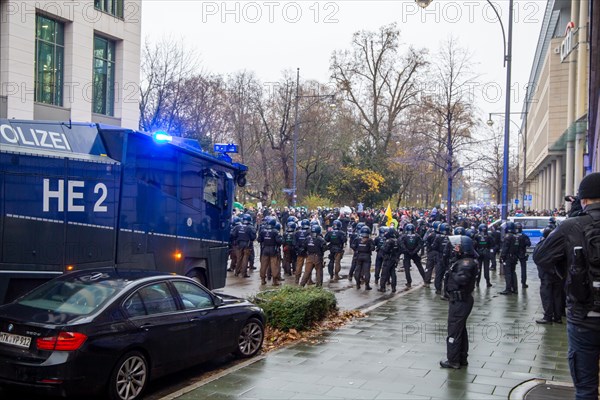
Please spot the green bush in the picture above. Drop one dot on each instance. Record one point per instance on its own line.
(293, 307)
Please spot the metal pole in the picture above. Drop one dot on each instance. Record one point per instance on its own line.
(296, 138)
(525, 150)
(508, 55)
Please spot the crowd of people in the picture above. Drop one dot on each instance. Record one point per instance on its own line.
(459, 252)
(294, 242)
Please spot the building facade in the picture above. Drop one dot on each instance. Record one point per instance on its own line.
(71, 60)
(594, 94)
(556, 107)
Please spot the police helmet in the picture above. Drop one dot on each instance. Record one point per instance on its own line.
(409, 228)
(315, 230)
(482, 228)
(272, 222)
(552, 220)
(436, 226)
(459, 230)
(314, 222)
(246, 219)
(337, 224)
(470, 232)
(383, 230)
(291, 226)
(236, 221)
(390, 233)
(445, 228)
(305, 224)
(365, 232)
(466, 246)
(359, 226)
(519, 227)
(292, 218)
(510, 227)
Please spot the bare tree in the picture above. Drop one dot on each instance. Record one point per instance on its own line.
(450, 111)
(165, 67)
(379, 82)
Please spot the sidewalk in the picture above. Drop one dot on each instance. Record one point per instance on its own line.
(395, 351)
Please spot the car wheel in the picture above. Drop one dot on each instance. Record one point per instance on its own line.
(130, 377)
(199, 276)
(250, 339)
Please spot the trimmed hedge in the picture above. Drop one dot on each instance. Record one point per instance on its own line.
(293, 307)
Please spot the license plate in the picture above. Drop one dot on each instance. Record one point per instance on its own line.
(15, 340)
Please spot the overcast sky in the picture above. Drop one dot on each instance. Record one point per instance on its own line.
(268, 37)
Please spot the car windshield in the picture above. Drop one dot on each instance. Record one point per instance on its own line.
(81, 295)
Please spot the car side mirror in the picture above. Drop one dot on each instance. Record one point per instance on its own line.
(218, 301)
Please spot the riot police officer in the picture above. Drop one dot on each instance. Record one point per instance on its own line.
(289, 253)
(460, 282)
(443, 247)
(484, 245)
(497, 238)
(432, 252)
(509, 256)
(336, 240)
(354, 240)
(379, 241)
(233, 247)
(524, 243)
(390, 252)
(270, 239)
(315, 247)
(299, 238)
(572, 248)
(364, 247)
(411, 244)
(244, 235)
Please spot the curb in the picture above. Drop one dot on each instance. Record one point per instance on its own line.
(246, 363)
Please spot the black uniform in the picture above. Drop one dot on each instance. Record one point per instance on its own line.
(524, 243)
(484, 244)
(497, 238)
(557, 251)
(509, 256)
(390, 253)
(289, 253)
(551, 289)
(336, 239)
(379, 241)
(444, 249)
(411, 245)
(364, 248)
(460, 282)
(432, 254)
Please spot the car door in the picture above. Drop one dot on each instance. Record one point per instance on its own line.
(207, 320)
(166, 328)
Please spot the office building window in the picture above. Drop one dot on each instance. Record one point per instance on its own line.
(112, 7)
(104, 76)
(49, 60)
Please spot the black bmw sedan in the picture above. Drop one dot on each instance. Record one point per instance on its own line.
(110, 331)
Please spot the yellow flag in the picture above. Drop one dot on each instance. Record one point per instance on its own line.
(388, 214)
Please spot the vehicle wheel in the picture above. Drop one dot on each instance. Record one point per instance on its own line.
(130, 377)
(250, 339)
(199, 276)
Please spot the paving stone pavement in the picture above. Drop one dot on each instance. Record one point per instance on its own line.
(394, 354)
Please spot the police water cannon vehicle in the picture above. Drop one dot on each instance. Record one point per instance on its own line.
(81, 195)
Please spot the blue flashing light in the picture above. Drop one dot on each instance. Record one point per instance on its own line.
(225, 148)
(162, 137)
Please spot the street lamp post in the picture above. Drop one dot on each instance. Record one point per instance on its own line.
(294, 187)
(508, 65)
